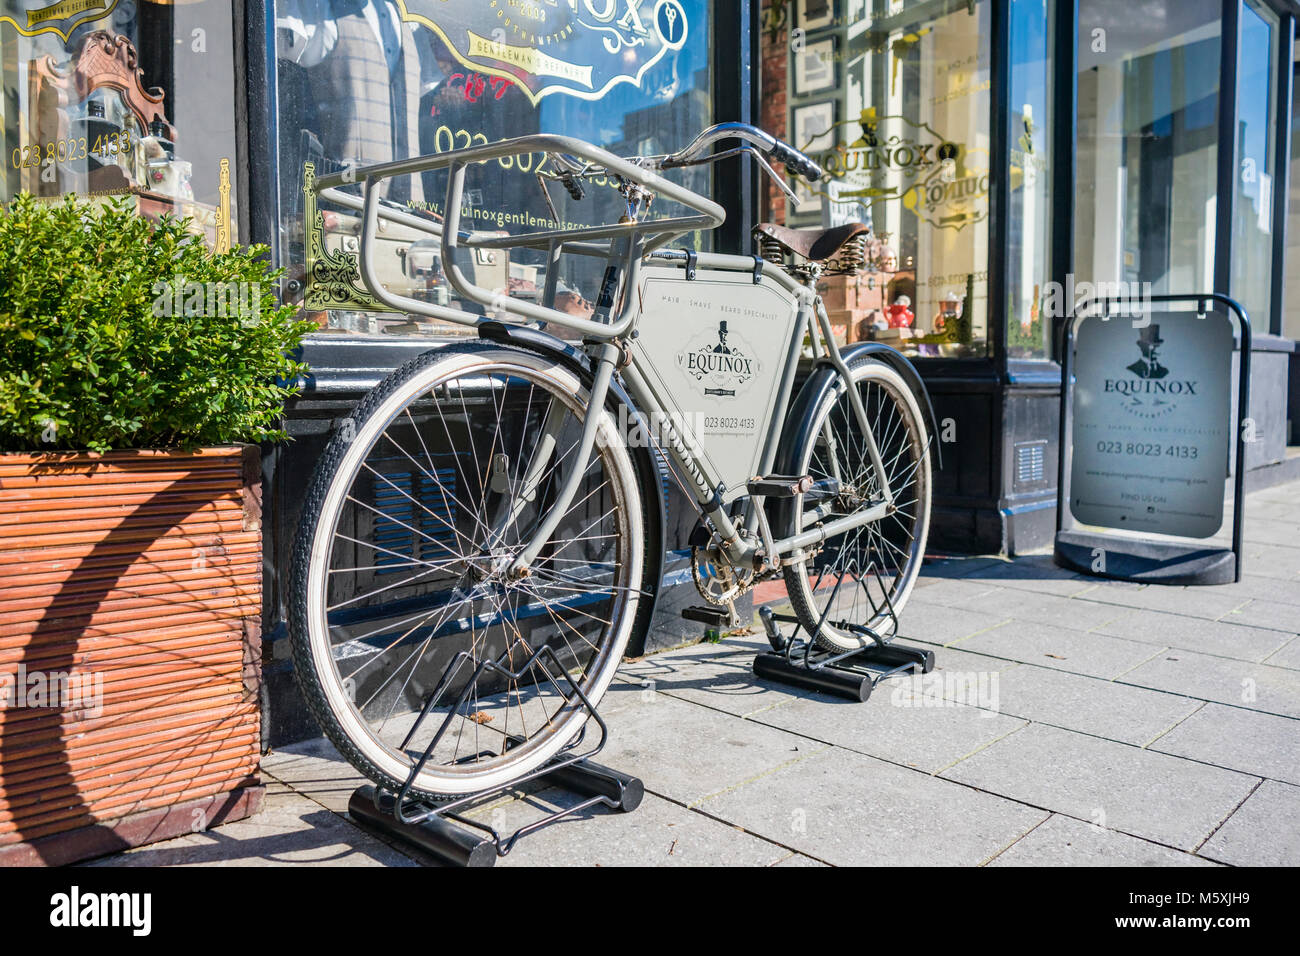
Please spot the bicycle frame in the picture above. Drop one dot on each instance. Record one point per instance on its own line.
(624, 247)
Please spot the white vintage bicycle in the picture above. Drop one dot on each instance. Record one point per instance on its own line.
(483, 539)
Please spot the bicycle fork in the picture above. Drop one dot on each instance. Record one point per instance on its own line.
(605, 355)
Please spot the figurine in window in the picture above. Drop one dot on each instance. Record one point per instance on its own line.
(950, 307)
(901, 315)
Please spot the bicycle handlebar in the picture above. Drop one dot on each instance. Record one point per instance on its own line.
(771, 147)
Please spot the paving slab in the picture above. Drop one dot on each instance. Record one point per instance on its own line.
(1033, 573)
(1146, 794)
(1285, 590)
(798, 859)
(1260, 744)
(1273, 690)
(1271, 614)
(969, 662)
(1204, 602)
(1061, 648)
(935, 623)
(291, 830)
(1064, 841)
(736, 690)
(1090, 705)
(951, 568)
(960, 593)
(657, 833)
(1195, 634)
(686, 752)
(316, 770)
(852, 810)
(1271, 561)
(1287, 656)
(1078, 613)
(1280, 533)
(1262, 832)
(1276, 509)
(724, 682)
(906, 721)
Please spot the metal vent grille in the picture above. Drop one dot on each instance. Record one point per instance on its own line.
(1031, 462)
(417, 517)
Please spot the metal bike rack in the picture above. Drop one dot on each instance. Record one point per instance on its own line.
(851, 674)
(442, 831)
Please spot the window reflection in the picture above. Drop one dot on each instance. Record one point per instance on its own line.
(1148, 145)
(893, 99)
(129, 98)
(1029, 236)
(366, 81)
(1252, 248)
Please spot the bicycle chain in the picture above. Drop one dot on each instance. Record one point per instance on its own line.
(735, 586)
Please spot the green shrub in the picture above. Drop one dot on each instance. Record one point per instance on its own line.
(117, 332)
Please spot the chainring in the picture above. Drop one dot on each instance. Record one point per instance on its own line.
(717, 582)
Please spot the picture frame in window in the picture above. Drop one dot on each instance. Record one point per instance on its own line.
(811, 130)
(815, 14)
(812, 126)
(815, 67)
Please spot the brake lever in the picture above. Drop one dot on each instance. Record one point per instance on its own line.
(758, 158)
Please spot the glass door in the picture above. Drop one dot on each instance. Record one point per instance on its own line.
(1256, 132)
(1148, 133)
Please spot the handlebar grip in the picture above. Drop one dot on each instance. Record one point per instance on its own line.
(795, 161)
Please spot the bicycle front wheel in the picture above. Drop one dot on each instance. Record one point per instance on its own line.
(402, 600)
(864, 576)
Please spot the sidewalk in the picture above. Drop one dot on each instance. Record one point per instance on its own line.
(1069, 722)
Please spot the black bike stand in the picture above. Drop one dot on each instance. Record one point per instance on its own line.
(853, 674)
(441, 831)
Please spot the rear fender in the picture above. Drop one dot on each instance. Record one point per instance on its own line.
(816, 387)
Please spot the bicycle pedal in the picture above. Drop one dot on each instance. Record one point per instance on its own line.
(779, 486)
(713, 616)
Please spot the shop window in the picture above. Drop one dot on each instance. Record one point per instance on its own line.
(1252, 233)
(1147, 151)
(367, 81)
(131, 98)
(1030, 224)
(893, 98)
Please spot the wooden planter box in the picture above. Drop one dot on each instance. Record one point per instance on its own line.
(130, 608)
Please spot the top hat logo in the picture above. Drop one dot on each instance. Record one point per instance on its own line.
(720, 359)
(721, 348)
(1148, 366)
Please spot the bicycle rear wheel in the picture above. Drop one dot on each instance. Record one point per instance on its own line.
(401, 600)
(862, 577)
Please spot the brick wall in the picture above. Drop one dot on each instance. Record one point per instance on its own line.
(776, 64)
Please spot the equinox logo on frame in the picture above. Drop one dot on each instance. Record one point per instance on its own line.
(94, 910)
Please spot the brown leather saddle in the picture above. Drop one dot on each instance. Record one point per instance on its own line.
(815, 245)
